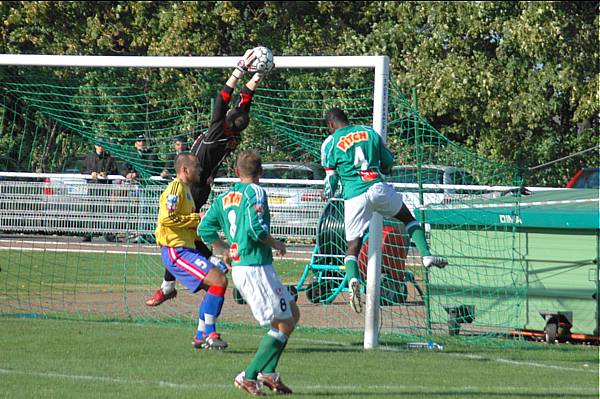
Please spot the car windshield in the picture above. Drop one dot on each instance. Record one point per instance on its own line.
(296, 172)
(73, 165)
(288, 174)
(588, 179)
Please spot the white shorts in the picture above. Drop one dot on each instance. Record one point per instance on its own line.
(261, 288)
(380, 197)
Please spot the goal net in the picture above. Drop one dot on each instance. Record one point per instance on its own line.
(51, 116)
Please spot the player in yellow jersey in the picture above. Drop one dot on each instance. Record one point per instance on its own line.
(213, 147)
(176, 227)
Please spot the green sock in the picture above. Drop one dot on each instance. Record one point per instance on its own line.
(267, 349)
(272, 364)
(417, 234)
(351, 264)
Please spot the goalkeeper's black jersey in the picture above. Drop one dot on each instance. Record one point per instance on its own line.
(214, 145)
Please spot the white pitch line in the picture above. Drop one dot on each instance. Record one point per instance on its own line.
(462, 355)
(459, 355)
(162, 384)
(500, 360)
(328, 387)
(520, 363)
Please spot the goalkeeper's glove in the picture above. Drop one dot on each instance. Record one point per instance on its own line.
(331, 183)
(260, 75)
(244, 63)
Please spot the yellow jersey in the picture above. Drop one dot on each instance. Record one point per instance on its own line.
(177, 217)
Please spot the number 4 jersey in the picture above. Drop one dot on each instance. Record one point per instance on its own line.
(242, 213)
(358, 155)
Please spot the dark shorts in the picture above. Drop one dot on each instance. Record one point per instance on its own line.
(200, 194)
(187, 265)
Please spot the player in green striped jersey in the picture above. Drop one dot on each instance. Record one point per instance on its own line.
(242, 213)
(356, 157)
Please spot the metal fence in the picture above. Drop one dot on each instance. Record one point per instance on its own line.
(125, 209)
(72, 205)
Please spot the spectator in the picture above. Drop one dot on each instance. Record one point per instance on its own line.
(99, 164)
(142, 160)
(179, 147)
(143, 156)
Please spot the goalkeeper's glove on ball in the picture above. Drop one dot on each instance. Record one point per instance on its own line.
(245, 62)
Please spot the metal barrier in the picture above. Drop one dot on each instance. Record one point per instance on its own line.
(122, 208)
(71, 205)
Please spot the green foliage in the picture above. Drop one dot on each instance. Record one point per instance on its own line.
(511, 81)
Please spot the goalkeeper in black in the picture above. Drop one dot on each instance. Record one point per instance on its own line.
(213, 146)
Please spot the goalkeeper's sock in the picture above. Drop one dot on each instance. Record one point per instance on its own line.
(417, 234)
(270, 345)
(200, 334)
(351, 264)
(272, 364)
(167, 287)
(201, 327)
(213, 303)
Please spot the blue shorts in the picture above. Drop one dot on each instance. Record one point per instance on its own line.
(187, 265)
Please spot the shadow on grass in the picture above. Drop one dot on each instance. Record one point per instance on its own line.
(457, 393)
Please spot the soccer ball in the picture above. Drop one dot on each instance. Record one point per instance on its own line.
(263, 61)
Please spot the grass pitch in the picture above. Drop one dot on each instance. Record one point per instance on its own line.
(79, 359)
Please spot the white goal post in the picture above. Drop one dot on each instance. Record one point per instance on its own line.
(380, 64)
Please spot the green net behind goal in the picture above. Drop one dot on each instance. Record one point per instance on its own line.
(49, 116)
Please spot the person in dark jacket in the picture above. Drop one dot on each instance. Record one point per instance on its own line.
(99, 165)
(143, 158)
(179, 147)
(142, 164)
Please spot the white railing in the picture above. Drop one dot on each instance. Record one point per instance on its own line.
(74, 204)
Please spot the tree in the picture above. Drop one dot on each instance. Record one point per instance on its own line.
(512, 81)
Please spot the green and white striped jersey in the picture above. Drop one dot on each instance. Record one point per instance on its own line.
(358, 155)
(242, 213)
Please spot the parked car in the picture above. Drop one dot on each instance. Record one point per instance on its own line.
(60, 184)
(292, 194)
(431, 174)
(295, 207)
(585, 178)
(99, 206)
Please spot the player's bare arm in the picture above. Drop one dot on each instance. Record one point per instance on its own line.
(222, 248)
(275, 244)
